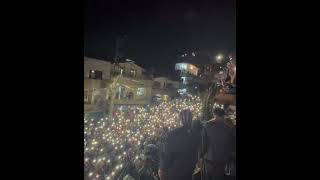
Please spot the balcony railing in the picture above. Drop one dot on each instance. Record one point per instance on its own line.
(128, 75)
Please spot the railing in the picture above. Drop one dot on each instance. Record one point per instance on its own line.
(142, 76)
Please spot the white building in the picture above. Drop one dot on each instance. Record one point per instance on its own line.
(97, 75)
(125, 83)
(187, 68)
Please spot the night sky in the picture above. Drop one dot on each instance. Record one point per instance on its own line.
(158, 30)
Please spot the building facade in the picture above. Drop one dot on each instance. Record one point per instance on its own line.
(97, 76)
(117, 84)
(191, 83)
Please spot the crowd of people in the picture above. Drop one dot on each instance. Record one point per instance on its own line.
(201, 150)
(133, 140)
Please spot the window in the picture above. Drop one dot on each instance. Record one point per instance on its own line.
(95, 74)
(86, 95)
(141, 91)
(133, 72)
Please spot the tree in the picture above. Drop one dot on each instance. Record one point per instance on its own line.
(223, 73)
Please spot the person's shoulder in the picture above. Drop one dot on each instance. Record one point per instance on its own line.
(215, 124)
(208, 124)
(175, 132)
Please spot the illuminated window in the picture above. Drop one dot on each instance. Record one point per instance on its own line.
(141, 91)
(95, 74)
(133, 72)
(187, 68)
(181, 66)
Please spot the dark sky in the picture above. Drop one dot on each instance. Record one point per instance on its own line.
(158, 30)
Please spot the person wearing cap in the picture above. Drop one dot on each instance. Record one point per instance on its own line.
(178, 160)
(218, 144)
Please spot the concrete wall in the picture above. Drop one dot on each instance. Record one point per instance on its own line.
(95, 88)
(131, 66)
(95, 64)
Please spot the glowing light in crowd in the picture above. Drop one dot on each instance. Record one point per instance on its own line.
(107, 141)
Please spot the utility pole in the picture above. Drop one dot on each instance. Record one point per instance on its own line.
(112, 90)
(119, 48)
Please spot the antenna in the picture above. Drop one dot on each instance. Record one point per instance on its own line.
(120, 47)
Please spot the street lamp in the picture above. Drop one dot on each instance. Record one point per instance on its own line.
(219, 58)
